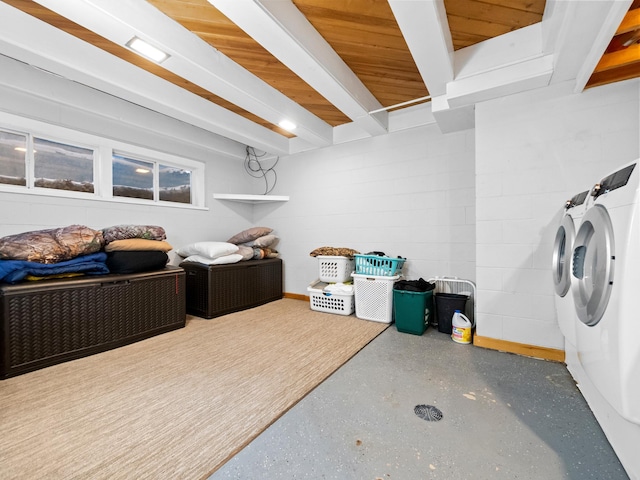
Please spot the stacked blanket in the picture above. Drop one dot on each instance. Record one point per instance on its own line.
(14, 271)
(79, 250)
(135, 248)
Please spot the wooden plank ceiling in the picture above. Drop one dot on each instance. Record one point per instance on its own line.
(363, 33)
(621, 60)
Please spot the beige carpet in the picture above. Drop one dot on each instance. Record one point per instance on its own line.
(175, 406)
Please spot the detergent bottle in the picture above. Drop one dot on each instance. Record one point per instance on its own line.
(461, 328)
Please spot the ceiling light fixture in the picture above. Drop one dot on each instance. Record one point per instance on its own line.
(147, 50)
(288, 125)
(142, 170)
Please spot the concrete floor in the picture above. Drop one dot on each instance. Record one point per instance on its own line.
(503, 417)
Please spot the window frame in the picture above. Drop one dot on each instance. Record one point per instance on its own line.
(103, 149)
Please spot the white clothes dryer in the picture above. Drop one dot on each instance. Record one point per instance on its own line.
(573, 212)
(605, 266)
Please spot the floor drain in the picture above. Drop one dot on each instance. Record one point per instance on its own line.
(428, 413)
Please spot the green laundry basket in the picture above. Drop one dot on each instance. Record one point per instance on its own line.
(412, 310)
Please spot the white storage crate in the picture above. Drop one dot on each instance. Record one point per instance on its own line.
(330, 302)
(334, 268)
(374, 297)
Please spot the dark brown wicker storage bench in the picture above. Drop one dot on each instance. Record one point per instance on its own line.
(214, 290)
(53, 321)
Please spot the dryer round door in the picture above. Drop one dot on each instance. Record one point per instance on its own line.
(593, 265)
(562, 246)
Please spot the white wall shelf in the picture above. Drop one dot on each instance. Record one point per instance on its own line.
(233, 197)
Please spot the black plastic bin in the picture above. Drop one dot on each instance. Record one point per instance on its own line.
(446, 305)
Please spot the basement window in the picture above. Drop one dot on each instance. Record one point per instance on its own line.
(175, 184)
(61, 166)
(37, 162)
(43, 159)
(150, 180)
(13, 158)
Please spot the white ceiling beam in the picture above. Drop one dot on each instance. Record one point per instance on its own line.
(425, 28)
(283, 31)
(555, 14)
(32, 93)
(452, 119)
(193, 59)
(34, 42)
(499, 52)
(496, 83)
(583, 32)
(504, 65)
(501, 66)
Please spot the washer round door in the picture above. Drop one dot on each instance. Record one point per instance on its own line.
(593, 265)
(562, 246)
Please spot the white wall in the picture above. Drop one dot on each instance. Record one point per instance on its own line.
(481, 205)
(54, 100)
(533, 152)
(409, 193)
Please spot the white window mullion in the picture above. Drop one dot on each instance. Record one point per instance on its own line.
(30, 162)
(104, 174)
(156, 182)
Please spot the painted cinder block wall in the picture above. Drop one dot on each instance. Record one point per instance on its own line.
(479, 204)
(409, 193)
(533, 152)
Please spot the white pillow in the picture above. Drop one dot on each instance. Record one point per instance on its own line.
(208, 249)
(233, 258)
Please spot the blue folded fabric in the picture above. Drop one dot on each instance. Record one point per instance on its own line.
(13, 271)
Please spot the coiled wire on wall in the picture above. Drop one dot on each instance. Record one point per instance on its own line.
(254, 167)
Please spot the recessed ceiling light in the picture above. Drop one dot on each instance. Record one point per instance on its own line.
(287, 125)
(142, 170)
(147, 50)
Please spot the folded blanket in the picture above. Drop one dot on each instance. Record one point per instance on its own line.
(52, 245)
(136, 261)
(122, 232)
(13, 271)
(334, 251)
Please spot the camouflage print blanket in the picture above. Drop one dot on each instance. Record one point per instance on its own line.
(124, 232)
(51, 246)
(334, 251)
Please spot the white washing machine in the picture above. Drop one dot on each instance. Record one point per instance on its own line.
(605, 266)
(572, 214)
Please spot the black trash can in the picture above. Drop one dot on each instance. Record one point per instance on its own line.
(446, 305)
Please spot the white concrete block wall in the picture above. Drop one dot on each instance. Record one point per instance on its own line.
(481, 205)
(533, 152)
(409, 193)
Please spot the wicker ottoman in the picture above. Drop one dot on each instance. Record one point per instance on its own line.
(214, 290)
(53, 321)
